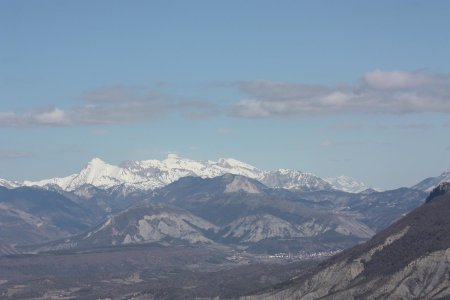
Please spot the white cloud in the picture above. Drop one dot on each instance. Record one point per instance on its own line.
(396, 79)
(253, 108)
(8, 119)
(48, 117)
(53, 116)
(377, 92)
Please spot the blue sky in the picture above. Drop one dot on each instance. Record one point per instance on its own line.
(331, 87)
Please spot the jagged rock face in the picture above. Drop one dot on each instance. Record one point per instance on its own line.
(409, 260)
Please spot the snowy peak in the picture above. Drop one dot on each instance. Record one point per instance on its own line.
(96, 162)
(98, 168)
(445, 175)
(346, 184)
(9, 184)
(101, 174)
(173, 161)
(231, 163)
(97, 173)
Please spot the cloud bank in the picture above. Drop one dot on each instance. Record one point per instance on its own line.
(387, 92)
(377, 92)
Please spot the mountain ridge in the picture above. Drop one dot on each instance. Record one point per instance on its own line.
(152, 174)
(428, 184)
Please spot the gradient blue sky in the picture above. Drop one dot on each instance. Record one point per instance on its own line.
(330, 87)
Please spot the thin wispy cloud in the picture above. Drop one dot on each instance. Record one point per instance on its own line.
(416, 126)
(329, 143)
(110, 105)
(340, 127)
(393, 92)
(351, 143)
(38, 117)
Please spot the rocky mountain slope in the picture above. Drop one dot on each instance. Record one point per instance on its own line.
(144, 223)
(30, 215)
(430, 183)
(244, 213)
(151, 174)
(237, 211)
(376, 209)
(408, 260)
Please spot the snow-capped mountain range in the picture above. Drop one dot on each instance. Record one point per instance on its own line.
(151, 174)
(346, 184)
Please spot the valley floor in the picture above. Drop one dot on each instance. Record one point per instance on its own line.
(146, 272)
